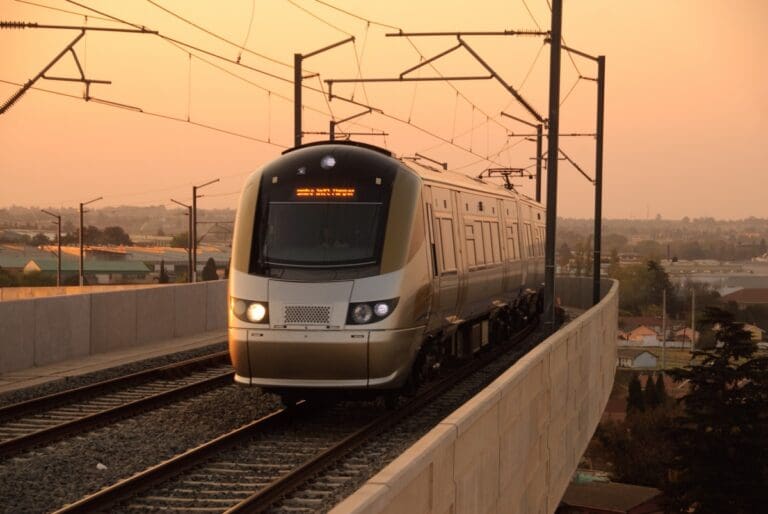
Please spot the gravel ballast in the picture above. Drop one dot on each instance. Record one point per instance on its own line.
(48, 478)
(67, 383)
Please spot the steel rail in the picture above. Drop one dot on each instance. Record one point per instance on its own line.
(264, 498)
(56, 399)
(175, 465)
(129, 408)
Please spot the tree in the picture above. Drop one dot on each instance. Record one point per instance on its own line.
(635, 400)
(163, 278)
(661, 389)
(116, 236)
(40, 239)
(180, 240)
(637, 447)
(650, 398)
(209, 270)
(720, 459)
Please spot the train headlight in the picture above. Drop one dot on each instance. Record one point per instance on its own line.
(381, 309)
(238, 307)
(370, 312)
(362, 313)
(327, 162)
(254, 312)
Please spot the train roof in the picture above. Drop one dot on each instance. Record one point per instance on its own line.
(428, 173)
(453, 178)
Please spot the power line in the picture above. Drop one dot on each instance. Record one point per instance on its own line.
(60, 10)
(138, 110)
(219, 37)
(415, 47)
(531, 15)
(318, 18)
(185, 48)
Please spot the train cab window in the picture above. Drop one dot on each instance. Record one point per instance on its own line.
(447, 246)
(320, 223)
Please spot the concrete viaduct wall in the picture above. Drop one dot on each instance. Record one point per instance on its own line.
(39, 331)
(515, 445)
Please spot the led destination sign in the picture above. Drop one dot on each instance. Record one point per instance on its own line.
(325, 192)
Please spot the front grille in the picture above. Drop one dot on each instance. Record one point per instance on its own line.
(308, 314)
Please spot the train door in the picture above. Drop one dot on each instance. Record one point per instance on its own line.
(445, 258)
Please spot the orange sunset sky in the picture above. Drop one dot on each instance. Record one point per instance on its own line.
(685, 99)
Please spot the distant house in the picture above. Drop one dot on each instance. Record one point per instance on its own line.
(610, 498)
(643, 336)
(629, 323)
(685, 335)
(748, 296)
(99, 272)
(637, 359)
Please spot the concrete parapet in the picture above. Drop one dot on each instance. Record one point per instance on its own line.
(515, 445)
(62, 328)
(216, 296)
(113, 321)
(49, 329)
(17, 333)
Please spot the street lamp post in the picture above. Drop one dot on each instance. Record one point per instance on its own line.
(193, 235)
(58, 245)
(81, 268)
(189, 237)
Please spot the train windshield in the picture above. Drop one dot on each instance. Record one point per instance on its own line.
(322, 233)
(313, 216)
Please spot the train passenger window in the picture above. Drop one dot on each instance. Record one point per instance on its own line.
(528, 241)
(447, 247)
(480, 256)
(512, 243)
(487, 244)
(470, 237)
(495, 243)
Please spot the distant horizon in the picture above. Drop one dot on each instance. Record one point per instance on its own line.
(202, 207)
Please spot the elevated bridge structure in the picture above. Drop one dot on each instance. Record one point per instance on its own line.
(512, 448)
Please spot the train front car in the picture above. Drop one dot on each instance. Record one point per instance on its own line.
(329, 282)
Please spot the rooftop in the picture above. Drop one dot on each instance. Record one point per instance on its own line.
(609, 496)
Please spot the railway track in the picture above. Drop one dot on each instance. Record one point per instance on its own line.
(267, 460)
(42, 420)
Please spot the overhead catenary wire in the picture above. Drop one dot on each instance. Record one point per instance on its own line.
(415, 47)
(138, 110)
(242, 47)
(190, 46)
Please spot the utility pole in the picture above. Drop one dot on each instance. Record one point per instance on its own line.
(193, 235)
(58, 245)
(693, 316)
(599, 178)
(81, 268)
(189, 238)
(553, 128)
(663, 327)
(298, 60)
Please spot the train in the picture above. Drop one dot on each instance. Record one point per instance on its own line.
(354, 270)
